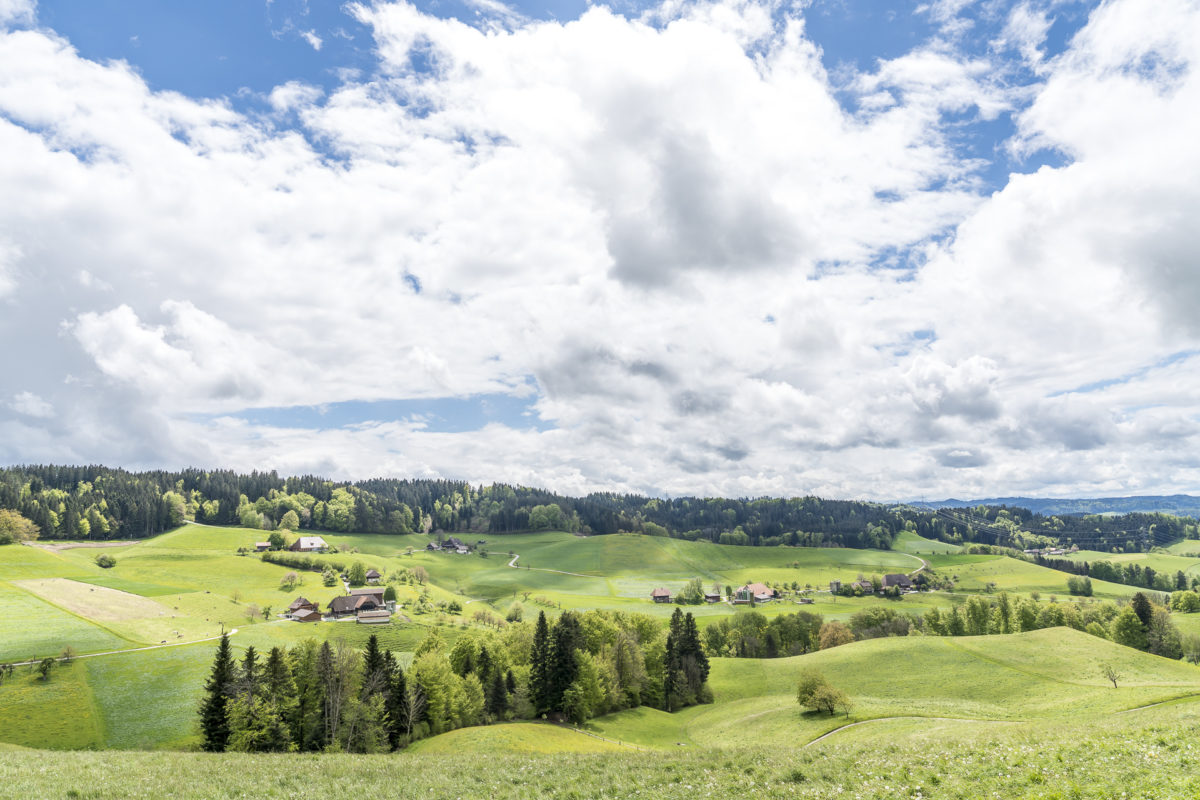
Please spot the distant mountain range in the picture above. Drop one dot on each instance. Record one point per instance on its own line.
(1184, 505)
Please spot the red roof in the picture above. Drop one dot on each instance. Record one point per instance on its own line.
(660, 592)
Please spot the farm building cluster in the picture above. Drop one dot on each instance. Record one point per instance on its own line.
(453, 545)
(893, 583)
(366, 605)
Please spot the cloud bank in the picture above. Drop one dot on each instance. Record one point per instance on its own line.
(720, 268)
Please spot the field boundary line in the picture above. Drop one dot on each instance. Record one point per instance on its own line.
(130, 650)
(827, 734)
(1160, 703)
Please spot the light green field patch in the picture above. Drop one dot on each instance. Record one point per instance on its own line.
(97, 603)
(56, 714)
(27, 561)
(32, 628)
(909, 542)
(516, 737)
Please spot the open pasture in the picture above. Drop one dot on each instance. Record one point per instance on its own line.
(515, 737)
(32, 628)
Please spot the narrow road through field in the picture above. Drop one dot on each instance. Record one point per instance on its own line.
(513, 564)
(130, 650)
(885, 719)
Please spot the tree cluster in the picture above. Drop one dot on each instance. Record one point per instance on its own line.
(331, 697)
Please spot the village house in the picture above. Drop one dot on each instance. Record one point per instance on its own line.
(358, 600)
(307, 615)
(661, 595)
(301, 604)
(309, 544)
(864, 586)
(901, 582)
(373, 576)
(753, 592)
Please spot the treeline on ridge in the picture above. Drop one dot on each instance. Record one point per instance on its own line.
(96, 502)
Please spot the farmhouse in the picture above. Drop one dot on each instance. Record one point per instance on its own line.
(661, 595)
(902, 582)
(309, 544)
(373, 576)
(358, 600)
(753, 592)
(301, 606)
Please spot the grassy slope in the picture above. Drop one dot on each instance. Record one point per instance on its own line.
(1142, 754)
(1041, 676)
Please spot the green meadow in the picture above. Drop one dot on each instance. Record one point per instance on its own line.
(918, 702)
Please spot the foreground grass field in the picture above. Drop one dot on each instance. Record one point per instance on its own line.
(1135, 755)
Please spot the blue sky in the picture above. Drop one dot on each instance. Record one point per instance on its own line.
(638, 247)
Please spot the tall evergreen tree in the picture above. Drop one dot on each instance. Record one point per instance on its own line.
(1142, 607)
(566, 638)
(539, 668)
(397, 707)
(497, 698)
(375, 678)
(250, 678)
(214, 716)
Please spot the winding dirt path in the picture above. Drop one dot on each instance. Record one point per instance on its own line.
(513, 564)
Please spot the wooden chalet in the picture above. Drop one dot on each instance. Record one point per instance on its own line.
(373, 576)
(308, 615)
(661, 595)
(712, 597)
(302, 605)
(261, 546)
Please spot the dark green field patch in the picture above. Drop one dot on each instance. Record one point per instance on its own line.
(133, 587)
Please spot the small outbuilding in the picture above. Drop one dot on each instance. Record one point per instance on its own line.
(373, 617)
(307, 615)
(661, 595)
(261, 546)
(373, 576)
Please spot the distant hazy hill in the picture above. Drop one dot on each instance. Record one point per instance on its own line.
(1180, 504)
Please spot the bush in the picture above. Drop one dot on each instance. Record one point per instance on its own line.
(105, 561)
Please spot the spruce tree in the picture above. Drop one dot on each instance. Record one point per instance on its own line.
(374, 672)
(250, 679)
(214, 717)
(567, 637)
(483, 668)
(1142, 607)
(497, 700)
(539, 671)
(397, 707)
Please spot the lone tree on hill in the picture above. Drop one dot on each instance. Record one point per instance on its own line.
(1110, 673)
(815, 693)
